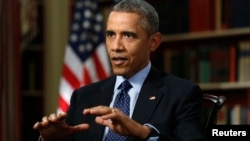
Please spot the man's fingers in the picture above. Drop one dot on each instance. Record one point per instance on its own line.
(47, 119)
(98, 110)
(36, 125)
(61, 116)
(52, 117)
(99, 120)
(44, 122)
(81, 127)
(105, 122)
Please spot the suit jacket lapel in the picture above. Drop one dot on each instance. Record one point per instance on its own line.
(148, 98)
(104, 98)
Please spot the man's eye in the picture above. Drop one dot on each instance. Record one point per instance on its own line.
(130, 35)
(110, 34)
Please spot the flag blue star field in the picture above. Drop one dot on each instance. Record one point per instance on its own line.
(86, 60)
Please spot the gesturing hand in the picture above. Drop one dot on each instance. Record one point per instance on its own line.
(118, 121)
(54, 127)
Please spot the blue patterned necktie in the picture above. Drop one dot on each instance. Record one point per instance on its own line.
(122, 101)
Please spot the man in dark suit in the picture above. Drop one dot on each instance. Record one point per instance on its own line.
(162, 107)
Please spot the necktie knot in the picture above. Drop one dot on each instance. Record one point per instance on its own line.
(125, 86)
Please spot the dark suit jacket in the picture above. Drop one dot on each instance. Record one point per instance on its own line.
(175, 111)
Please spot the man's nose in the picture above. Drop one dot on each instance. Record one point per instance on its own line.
(117, 44)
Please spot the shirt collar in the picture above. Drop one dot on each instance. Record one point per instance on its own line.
(136, 80)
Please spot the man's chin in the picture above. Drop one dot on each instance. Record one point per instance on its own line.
(119, 71)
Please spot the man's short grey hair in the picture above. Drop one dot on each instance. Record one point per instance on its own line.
(150, 18)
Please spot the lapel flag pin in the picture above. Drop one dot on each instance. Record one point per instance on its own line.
(152, 98)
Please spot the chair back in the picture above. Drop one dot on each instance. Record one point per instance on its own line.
(212, 105)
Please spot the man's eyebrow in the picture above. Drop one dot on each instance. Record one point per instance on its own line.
(109, 31)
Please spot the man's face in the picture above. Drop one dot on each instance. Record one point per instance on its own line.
(128, 44)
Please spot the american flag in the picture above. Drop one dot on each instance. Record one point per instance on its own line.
(86, 59)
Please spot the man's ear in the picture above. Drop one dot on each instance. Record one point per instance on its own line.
(155, 41)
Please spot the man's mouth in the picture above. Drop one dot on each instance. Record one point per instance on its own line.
(119, 60)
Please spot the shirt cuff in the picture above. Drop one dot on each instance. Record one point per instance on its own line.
(154, 133)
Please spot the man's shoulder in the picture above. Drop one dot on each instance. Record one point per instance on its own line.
(107, 82)
(169, 78)
(174, 80)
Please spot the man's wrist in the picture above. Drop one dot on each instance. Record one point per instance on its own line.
(152, 133)
(144, 133)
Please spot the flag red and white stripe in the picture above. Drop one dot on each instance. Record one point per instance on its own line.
(86, 60)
